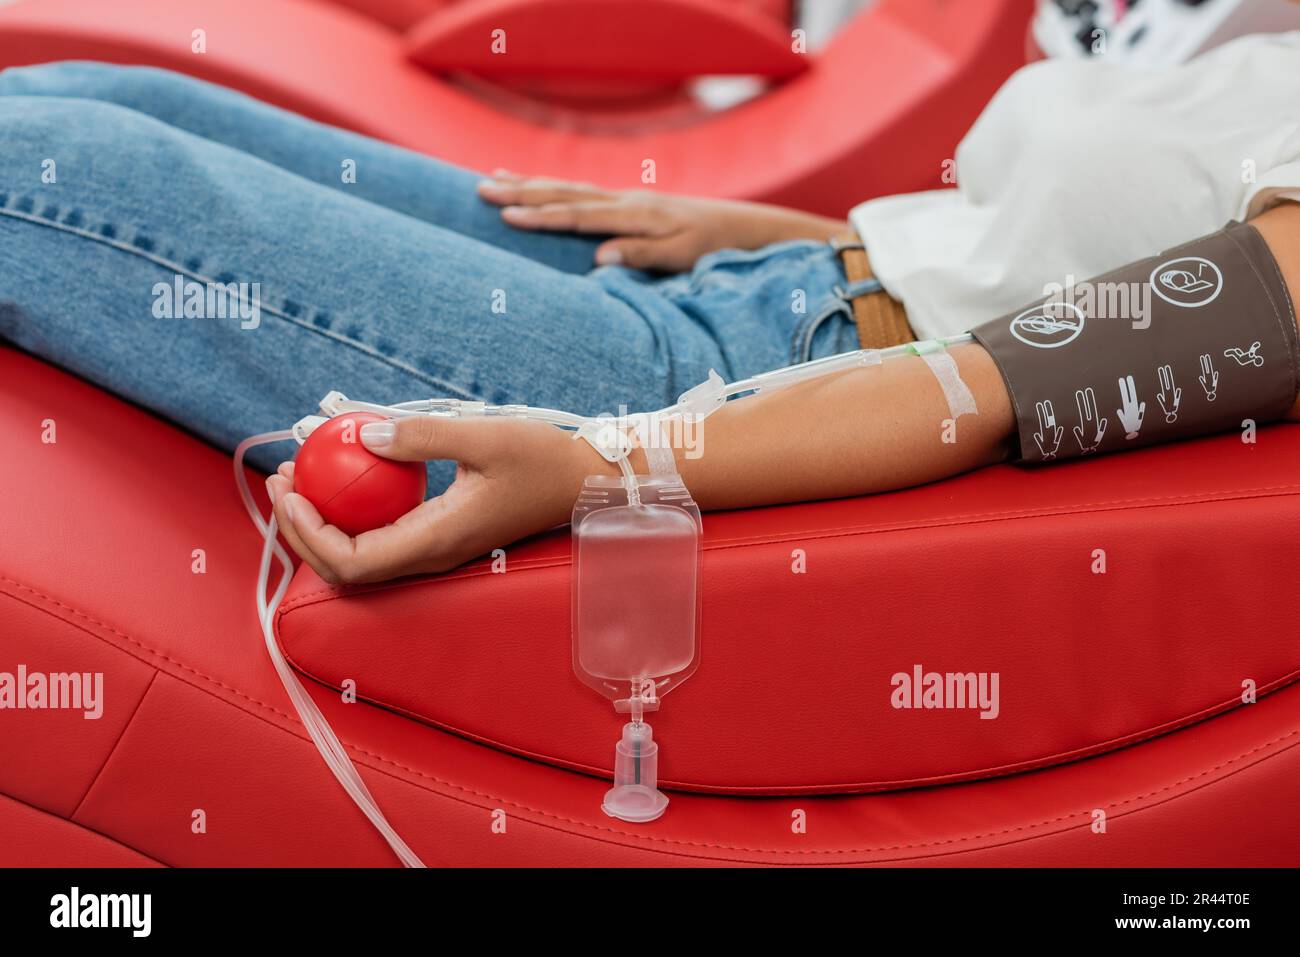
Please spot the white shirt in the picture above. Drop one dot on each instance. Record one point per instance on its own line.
(1078, 167)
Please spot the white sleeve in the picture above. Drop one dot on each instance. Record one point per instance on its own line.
(1279, 184)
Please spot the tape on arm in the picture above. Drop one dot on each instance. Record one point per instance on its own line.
(650, 430)
(958, 395)
(1190, 342)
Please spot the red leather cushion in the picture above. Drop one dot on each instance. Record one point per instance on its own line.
(990, 572)
(401, 14)
(31, 838)
(642, 39)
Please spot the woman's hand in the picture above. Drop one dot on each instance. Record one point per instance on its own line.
(650, 230)
(515, 478)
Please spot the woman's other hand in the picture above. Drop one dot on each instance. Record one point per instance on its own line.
(648, 230)
(514, 478)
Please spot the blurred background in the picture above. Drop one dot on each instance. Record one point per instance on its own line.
(808, 103)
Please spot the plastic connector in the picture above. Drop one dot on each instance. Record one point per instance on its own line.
(332, 403)
(609, 441)
(703, 400)
(925, 347)
(635, 796)
(305, 426)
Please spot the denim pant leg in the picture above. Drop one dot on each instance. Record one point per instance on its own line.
(101, 207)
(765, 308)
(399, 179)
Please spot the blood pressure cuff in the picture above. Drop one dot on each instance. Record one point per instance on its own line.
(1190, 342)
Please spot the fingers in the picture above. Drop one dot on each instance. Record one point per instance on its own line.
(584, 216)
(516, 190)
(324, 547)
(665, 254)
(440, 534)
(418, 438)
(280, 489)
(432, 538)
(339, 559)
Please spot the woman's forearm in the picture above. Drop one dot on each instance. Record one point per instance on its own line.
(867, 430)
(1280, 227)
(779, 223)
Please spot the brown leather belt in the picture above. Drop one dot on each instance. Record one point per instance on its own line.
(880, 317)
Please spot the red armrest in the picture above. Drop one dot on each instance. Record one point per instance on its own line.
(633, 39)
(995, 572)
(401, 15)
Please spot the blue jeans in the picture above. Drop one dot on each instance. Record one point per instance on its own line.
(395, 283)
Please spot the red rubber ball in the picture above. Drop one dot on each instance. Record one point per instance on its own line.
(350, 486)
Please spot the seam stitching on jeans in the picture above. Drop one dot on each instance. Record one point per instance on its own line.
(181, 270)
(806, 329)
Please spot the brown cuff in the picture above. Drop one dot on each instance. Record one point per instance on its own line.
(1187, 343)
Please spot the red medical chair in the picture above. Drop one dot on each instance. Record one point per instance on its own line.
(1148, 715)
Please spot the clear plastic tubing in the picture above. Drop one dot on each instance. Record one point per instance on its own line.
(318, 728)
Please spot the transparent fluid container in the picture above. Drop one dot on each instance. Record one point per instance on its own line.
(635, 589)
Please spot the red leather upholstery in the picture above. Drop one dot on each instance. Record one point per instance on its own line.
(576, 53)
(676, 39)
(97, 575)
(396, 14)
(33, 837)
(989, 572)
(892, 93)
(402, 14)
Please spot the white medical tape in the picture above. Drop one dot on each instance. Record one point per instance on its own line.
(960, 400)
(659, 458)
